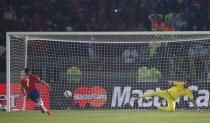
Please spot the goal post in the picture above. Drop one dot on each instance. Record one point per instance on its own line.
(103, 70)
(16, 53)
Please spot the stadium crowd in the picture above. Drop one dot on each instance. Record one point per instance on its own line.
(102, 15)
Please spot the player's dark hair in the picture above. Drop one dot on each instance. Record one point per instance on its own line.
(27, 71)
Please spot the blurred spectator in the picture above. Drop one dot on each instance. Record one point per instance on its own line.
(58, 20)
(156, 21)
(180, 21)
(169, 28)
(159, 25)
(168, 17)
(116, 20)
(105, 15)
(102, 19)
(141, 27)
(2, 46)
(131, 18)
(130, 55)
(37, 22)
(93, 24)
(2, 50)
(201, 51)
(24, 23)
(49, 25)
(9, 13)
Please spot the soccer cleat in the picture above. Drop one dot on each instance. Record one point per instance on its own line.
(41, 110)
(48, 112)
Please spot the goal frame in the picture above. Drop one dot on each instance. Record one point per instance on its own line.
(26, 36)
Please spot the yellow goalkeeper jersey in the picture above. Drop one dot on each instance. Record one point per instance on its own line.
(179, 90)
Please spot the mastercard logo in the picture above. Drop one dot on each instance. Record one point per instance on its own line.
(96, 96)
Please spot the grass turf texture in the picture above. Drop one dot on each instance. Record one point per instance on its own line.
(107, 116)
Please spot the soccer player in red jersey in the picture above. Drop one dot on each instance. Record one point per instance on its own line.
(28, 88)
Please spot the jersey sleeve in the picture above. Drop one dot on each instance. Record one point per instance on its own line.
(189, 93)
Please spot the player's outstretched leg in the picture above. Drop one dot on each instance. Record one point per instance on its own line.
(164, 108)
(41, 106)
(163, 94)
(171, 106)
(160, 94)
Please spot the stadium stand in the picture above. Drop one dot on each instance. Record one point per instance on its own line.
(102, 15)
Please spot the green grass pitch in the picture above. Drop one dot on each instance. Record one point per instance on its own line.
(106, 116)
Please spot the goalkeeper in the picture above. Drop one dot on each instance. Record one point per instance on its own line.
(177, 90)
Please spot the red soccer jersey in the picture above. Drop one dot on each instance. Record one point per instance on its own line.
(29, 82)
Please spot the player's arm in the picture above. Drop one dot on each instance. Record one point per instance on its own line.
(175, 83)
(194, 103)
(43, 82)
(190, 95)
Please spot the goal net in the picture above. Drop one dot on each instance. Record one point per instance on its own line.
(103, 70)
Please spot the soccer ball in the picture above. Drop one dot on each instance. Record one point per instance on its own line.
(67, 94)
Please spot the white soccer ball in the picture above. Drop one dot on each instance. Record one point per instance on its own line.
(67, 94)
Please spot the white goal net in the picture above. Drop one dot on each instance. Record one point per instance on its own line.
(102, 70)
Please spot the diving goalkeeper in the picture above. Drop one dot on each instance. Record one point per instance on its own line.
(177, 90)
